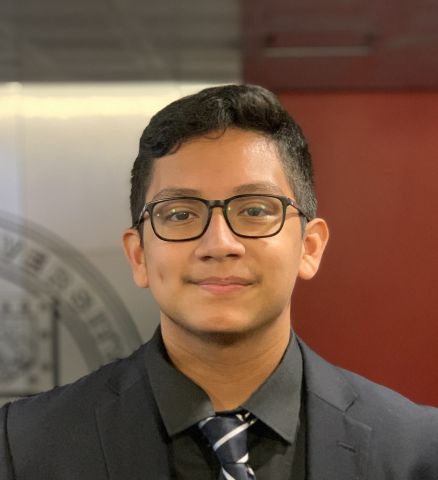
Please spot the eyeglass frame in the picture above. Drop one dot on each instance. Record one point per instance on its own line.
(210, 204)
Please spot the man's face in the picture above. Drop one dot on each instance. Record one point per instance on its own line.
(221, 283)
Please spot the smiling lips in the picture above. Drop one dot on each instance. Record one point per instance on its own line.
(223, 284)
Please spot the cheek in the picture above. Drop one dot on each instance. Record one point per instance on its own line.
(284, 274)
(281, 264)
(283, 252)
(164, 262)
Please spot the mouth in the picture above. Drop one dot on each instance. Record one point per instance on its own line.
(221, 285)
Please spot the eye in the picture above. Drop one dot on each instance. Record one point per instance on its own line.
(179, 216)
(255, 211)
(179, 211)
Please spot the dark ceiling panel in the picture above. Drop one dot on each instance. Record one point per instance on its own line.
(286, 44)
(340, 44)
(109, 40)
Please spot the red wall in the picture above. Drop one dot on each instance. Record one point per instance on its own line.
(373, 307)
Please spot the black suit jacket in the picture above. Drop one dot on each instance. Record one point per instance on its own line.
(106, 426)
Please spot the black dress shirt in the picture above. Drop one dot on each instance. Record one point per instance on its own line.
(276, 441)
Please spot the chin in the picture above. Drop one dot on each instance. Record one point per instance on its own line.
(223, 337)
(221, 330)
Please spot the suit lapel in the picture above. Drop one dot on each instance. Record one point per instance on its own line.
(337, 444)
(135, 444)
(133, 439)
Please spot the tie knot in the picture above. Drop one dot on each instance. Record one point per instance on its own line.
(226, 434)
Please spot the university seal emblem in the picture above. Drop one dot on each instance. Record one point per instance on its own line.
(51, 297)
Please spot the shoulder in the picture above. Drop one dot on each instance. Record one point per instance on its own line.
(73, 405)
(404, 433)
(77, 430)
(401, 431)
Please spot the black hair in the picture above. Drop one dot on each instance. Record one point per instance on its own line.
(246, 107)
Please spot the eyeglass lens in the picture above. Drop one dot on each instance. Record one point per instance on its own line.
(182, 218)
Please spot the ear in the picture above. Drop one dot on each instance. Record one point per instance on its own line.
(135, 254)
(315, 239)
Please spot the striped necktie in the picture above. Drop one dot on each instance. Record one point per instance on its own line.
(226, 434)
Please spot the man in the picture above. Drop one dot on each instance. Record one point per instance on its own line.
(224, 222)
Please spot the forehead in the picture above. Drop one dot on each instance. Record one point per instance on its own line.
(221, 164)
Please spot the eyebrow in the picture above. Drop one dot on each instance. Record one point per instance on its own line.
(257, 187)
(176, 192)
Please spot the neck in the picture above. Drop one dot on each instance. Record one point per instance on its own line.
(228, 370)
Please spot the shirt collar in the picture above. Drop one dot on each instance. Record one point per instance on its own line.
(277, 401)
(183, 404)
(180, 401)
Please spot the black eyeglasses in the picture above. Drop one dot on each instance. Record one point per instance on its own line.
(180, 219)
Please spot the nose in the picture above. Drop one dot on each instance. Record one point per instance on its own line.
(219, 241)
